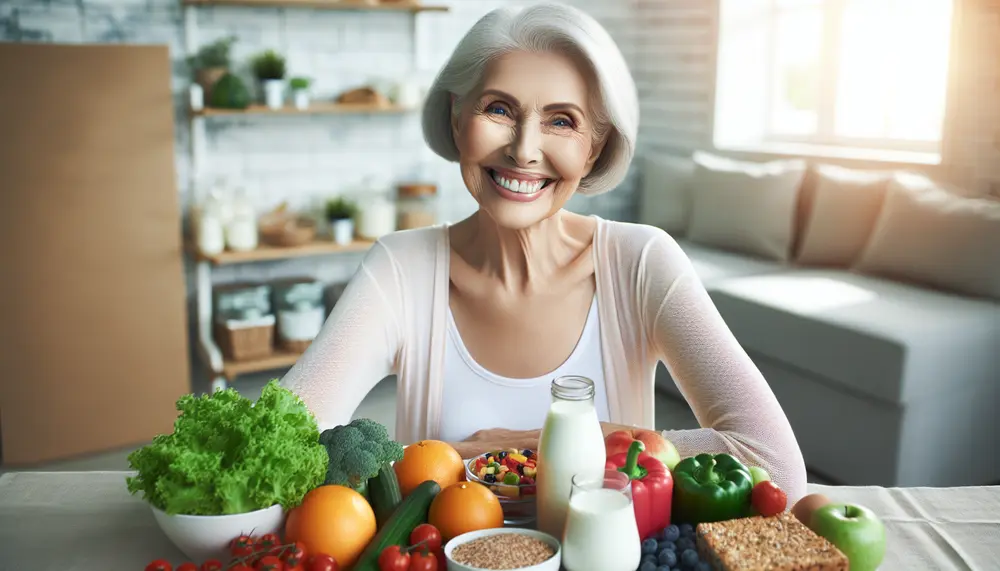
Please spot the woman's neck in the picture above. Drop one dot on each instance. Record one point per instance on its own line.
(529, 259)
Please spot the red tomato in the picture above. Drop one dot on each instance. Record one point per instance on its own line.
(187, 567)
(392, 559)
(159, 565)
(423, 561)
(442, 560)
(294, 554)
(321, 562)
(428, 534)
(212, 565)
(240, 567)
(768, 499)
(241, 547)
(270, 563)
(266, 542)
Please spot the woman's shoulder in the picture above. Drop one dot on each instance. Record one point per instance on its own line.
(629, 241)
(411, 251)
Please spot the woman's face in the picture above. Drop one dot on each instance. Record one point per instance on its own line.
(525, 137)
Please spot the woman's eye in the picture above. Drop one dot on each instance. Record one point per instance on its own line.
(562, 122)
(496, 110)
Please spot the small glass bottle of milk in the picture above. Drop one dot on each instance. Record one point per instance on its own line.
(571, 443)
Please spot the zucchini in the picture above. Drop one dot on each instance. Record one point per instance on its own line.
(384, 494)
(397, 529)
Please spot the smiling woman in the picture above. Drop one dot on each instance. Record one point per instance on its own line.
(477, 318)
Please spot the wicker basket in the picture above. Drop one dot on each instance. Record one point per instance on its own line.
(289, 232)
(242, 343)
(294, 346)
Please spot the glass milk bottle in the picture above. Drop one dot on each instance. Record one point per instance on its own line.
(571, 443)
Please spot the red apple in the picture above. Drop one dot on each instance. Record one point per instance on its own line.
(656, 445)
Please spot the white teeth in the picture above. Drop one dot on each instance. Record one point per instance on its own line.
(518, 186)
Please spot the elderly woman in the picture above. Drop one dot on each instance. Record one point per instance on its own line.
(477, 318)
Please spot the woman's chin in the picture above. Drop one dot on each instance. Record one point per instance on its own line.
(517, 215)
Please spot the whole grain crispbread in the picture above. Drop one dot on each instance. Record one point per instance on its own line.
(777, 543)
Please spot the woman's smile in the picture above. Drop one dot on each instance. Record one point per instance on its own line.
(517, 186)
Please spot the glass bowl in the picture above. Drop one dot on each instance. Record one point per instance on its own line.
(517, 500)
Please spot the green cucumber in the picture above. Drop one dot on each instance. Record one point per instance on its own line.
(384, 494)
(397, 529)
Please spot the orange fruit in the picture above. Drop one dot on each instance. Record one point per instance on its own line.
(429, 460)
(333, 520)
(464, 507)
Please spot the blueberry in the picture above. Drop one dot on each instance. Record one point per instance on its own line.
(663, 568)
(649, 547)
(667, 557)
(647, 566)
(490, 478)
(671, 533)
(667, 545)
(527, 453)
(502, 454)
(703, 566)
(684, 543)
(687, 530)
(649, 559)
(689, 558)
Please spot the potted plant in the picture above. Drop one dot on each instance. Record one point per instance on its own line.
(340, 213)
(211, 63)
(300, 91)
(269, 67)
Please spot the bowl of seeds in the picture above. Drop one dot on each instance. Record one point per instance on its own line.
(503, 548)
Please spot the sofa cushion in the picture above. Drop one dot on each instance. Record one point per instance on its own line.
(745, 207)
(713, 265)
(886, 339)
(665, 192)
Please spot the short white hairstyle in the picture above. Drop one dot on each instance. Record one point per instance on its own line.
(549, 27)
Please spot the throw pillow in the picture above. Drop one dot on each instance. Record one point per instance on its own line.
(937, 236)
(665, 193)
(744, 206)
(845, 205)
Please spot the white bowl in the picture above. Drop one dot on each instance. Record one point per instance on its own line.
(202, 537)
(551, 564)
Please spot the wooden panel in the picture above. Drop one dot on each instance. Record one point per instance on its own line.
(314, 109)
(265, 253)
(93, 337)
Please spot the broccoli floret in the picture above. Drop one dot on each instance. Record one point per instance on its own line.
(357, 451)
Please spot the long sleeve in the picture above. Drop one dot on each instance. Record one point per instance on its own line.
(357, 346)
(729, 396)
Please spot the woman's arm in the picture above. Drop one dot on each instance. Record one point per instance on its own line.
(728, 394)
(356, 348)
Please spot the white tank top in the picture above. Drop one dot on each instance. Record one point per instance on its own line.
(476, 399)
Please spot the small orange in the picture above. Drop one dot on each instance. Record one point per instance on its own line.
(464, 507)
(429, 460)
(334, 520)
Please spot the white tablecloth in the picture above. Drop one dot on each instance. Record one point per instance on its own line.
(63, 521)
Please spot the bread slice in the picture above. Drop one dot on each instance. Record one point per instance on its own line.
(778, 543)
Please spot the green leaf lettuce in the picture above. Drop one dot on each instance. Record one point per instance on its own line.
(228, 455)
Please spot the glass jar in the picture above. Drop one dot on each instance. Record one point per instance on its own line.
(376, 214)
(417, 206)
(571, 443)
(241, 231)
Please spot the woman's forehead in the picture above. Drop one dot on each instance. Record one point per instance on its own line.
(538, 78)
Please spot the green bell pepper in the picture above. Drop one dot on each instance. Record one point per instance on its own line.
(711, 488)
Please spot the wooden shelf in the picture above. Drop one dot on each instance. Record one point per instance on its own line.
(277, 360)
(401, 6)
(314, 109)
(265, 253)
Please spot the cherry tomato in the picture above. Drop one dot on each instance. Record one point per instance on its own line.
(242, 546)
(270, 563)
(392, 559)
(423, 561)
(159, 565)
(321, 562)
(428, 534)
(187, 567)
(442, 560)
(212, 565)
(294, 554)
(266, 542)
(240, 567)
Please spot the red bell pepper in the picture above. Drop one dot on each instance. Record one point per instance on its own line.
(652, 487)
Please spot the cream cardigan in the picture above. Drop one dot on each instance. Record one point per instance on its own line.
(392, 318)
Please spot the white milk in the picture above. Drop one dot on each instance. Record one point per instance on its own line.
(601, 533)
(571, 443)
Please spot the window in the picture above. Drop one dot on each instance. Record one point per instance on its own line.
(850, 77)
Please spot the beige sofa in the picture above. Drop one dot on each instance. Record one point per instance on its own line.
(869, 300)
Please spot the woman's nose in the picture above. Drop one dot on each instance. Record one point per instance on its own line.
(526, 147)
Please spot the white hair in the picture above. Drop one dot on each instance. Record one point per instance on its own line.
(549, 27)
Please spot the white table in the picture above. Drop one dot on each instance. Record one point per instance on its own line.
(63, 521)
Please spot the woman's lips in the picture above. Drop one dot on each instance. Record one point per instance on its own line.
(516, 196)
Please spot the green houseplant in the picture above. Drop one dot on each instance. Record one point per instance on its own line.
(269, 68)
(340, 212)
(211, 63)
(300, 91)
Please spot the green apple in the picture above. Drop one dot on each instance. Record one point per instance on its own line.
(855, 530)
(759, 475)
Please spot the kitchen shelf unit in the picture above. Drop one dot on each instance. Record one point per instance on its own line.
(224, 371)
